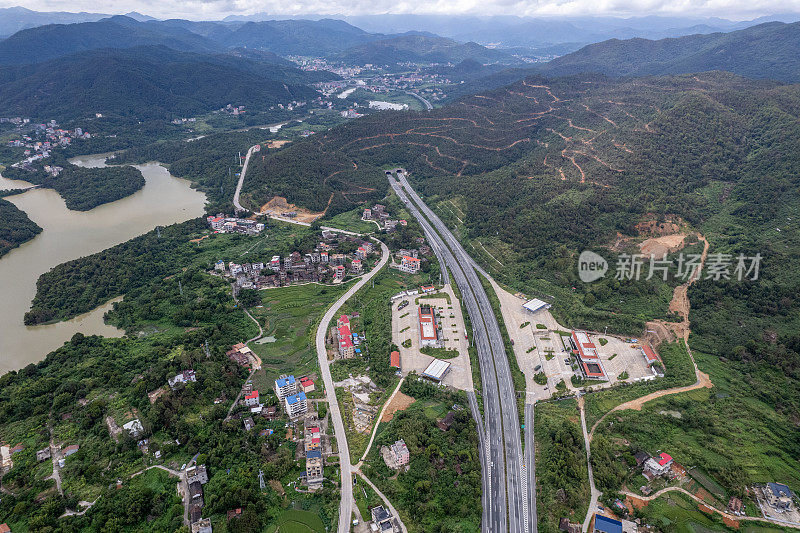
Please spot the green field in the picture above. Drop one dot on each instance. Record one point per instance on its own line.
(351, 221)
(679, 372)
(294, 521)
(291, 315)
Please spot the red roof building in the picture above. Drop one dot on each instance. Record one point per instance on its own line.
(588, 358)
(428, 334)
(251, 399)
(649, 354)
(307, 384)
(394, 359)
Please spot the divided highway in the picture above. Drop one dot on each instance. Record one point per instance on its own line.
(508, 480)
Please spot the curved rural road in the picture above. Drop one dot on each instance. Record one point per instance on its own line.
(346, 504)
(236, 203)
(699, 500)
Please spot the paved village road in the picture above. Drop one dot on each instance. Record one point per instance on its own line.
(346, 504)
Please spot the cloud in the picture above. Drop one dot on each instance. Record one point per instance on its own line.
(215, 9)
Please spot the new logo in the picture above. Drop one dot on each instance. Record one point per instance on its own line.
(591, 266)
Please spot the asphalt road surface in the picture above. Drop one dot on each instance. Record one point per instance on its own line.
(507, 501)
(346, 504)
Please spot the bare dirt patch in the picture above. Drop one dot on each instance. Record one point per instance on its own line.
(400, 402)
(278, 143)
(153, 396)
(658, 246)
(276, 486)
(278, 206)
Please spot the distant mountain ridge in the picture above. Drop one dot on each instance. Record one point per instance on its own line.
(57, 40)
(145, 83)
(770, 50)
(421, 48)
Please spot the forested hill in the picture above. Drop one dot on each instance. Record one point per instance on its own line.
(56, 40)
(303, 37)
(145, 82)
(421, 48)
(546, 168)
(770, 50)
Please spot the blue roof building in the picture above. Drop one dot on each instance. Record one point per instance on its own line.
(299, 397)
(285, 386)
(605, 524)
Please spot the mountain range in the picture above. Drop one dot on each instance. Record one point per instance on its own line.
(146, 82)
(507, 31)
(769, 50)
(326, 37)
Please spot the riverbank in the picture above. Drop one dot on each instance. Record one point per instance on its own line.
(68, 235)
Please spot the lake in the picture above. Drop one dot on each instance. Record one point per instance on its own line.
(68, 235)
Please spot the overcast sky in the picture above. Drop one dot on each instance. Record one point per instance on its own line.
(217, 9)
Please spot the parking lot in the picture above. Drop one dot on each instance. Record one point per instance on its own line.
(542, 345)
(619, 356)
(405, 327)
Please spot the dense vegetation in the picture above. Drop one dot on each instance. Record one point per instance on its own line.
(420, 49)
(764, 51)
(562, 481)
(211, 163)
(145, 83)
(441, 490)
(184, 321)
(83, 188)
(15, 227)
(42, 43)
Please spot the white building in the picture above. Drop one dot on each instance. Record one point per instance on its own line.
(285, 386)
(296, 405)
(409, 265)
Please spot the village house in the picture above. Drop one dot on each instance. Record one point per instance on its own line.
(296, 405)
(396, 455)
(197, 473)
(314, 467)
(285, 386)
(307, 384)
(344, 338)
(202, 526)
(338, 273)
(409, 265)
(445, 423)
(69, 450)
(181, 378)
(383, 521)
(248, 423)
(252, 399)
(313, 439)
(779, 496)
(658, 465)
(43, 454)
(240, 354)
(134, 428)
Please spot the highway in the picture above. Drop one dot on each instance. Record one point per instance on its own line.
(426, 103)
(508, 482)
(346, 503)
